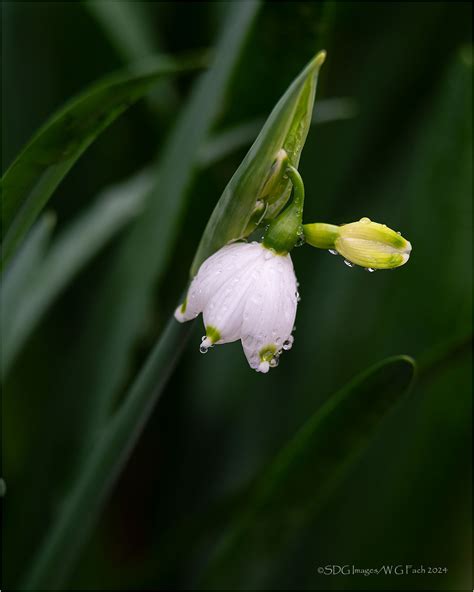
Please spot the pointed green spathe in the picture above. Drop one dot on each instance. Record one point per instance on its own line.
(257, 191)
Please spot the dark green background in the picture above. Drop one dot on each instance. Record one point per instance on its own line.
(404, 159)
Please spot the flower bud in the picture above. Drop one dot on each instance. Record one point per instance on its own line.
(372, 245)
(364, 243)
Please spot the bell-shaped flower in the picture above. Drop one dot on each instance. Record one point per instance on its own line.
(245, 291)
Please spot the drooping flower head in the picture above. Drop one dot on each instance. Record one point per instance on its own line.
(245, 291)
(248, 291)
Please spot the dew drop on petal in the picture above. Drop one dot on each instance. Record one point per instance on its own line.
(203, 349)
(274, 362)
(333, 251)
(348, 263)
(288, 344)
(370, 269)
(365, 220)
(398, 232)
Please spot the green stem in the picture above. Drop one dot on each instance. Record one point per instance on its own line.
(284, 231)
(79, 512)
(321, 235)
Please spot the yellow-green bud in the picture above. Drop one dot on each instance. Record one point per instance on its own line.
(365, 243)
(372, 245)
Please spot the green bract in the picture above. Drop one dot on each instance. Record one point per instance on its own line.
(259, 189)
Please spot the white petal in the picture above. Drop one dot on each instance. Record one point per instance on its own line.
(225, 309)
(270, 310)
(212, 274)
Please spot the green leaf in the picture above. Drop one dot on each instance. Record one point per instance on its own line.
(32, 178)
(80, 509)
(243, 203)
(127, 293)
(27, 259)
(129, 28)
(69, 253)
(143, 254)
(127, 25)
(238, 136)
(296, 484)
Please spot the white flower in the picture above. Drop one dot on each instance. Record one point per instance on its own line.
(245, 291)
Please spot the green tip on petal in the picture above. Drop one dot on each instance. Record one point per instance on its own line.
(267, 353)
(212, 334)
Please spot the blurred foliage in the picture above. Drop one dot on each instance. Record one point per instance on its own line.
(97, 286)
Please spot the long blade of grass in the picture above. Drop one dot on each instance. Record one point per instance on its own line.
(15, 281)
(127, 26)
(295, 485)
(141, 266)
(32, 178)
(141, 259)
(69, 253)
(80, 510)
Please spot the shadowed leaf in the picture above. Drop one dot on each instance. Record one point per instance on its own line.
(32, 178)
(296, 484)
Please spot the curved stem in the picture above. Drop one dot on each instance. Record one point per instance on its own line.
(298, 187)
(285, 230)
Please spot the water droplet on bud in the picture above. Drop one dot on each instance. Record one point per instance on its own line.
(365, 220)
(333, 252)
(370, 269)
(348, 263)
(274, 362)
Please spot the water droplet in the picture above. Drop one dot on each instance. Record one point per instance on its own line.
(288, 344)
(370, 269)
(203, 337)
(333, 251)
(297, 296)
(348, 263)
(274, 362)
(365, 220)
(398, 232)
(203, 349)
(300, 241)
